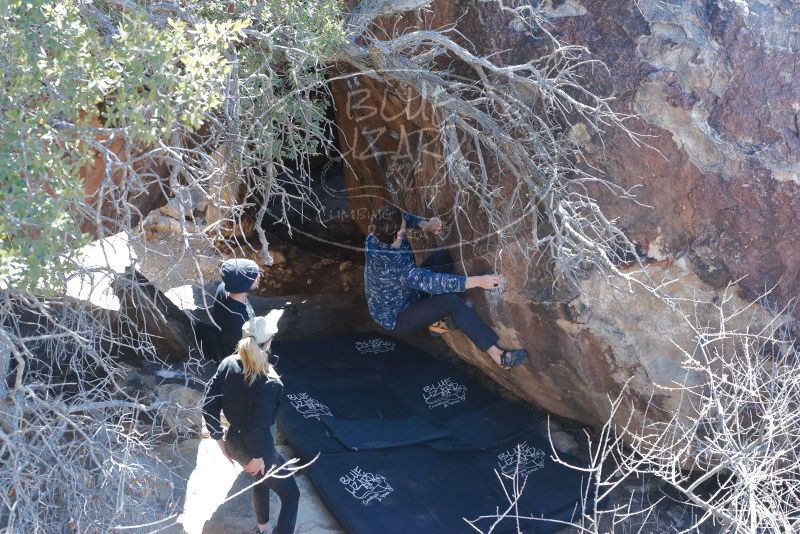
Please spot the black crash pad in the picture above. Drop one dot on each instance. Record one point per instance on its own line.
(438, 391)
(418, 489)
(309, 403)
(433, 445)
(366, 434)
(487, 427)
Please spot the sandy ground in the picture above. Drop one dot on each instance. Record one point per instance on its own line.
(212, 481)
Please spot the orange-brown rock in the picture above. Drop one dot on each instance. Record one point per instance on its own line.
(715, 84)
(121, 201)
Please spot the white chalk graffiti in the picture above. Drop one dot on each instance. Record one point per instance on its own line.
(309, 407)
(521, 459)
(374, 346)
(366, 487)
(444, 394)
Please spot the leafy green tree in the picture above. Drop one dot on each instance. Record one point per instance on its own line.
(77, 75)
(201, 90)
(66, 87)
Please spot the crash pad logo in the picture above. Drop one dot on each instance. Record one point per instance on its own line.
(444, 394)
(521, 459)
(309, 407)
(374, 346)
(366, 487)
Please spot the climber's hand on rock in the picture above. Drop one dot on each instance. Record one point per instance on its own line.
(255, 467)
(224, 448)
(486, 281)
(432, 225)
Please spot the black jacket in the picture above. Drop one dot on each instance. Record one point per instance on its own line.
(230, 315)
(251, 408)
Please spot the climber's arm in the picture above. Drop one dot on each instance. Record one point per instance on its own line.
(435, 283)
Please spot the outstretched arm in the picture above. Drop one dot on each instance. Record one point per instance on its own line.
(435, 283)
(484, 281)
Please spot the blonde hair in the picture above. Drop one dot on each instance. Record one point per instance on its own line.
(255, 361)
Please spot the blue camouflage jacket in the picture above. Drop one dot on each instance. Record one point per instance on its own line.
(392, 280)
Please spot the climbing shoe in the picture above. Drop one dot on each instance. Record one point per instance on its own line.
(512, 358)
(440, 327)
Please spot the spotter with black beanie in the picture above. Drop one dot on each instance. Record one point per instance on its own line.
(231, 307)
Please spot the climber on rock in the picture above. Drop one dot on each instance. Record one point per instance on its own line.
(247, 390)
(395, 286)
(231, 307)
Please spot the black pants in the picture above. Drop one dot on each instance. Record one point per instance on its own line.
(432, 308)
(286, 488)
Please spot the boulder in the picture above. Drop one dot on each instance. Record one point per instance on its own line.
(183, 213)
(714, 84)
(168, 328)
(33, 319)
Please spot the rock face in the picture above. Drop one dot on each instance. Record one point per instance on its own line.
(169, 329)
(715, 83)
(320, 255)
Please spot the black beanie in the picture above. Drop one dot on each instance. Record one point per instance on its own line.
(239, 274)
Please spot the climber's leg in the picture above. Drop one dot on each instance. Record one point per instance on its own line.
(439, 261)
(426, 311)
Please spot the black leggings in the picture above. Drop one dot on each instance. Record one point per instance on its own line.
(435, 307)
(287, 491)
(286, 488)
